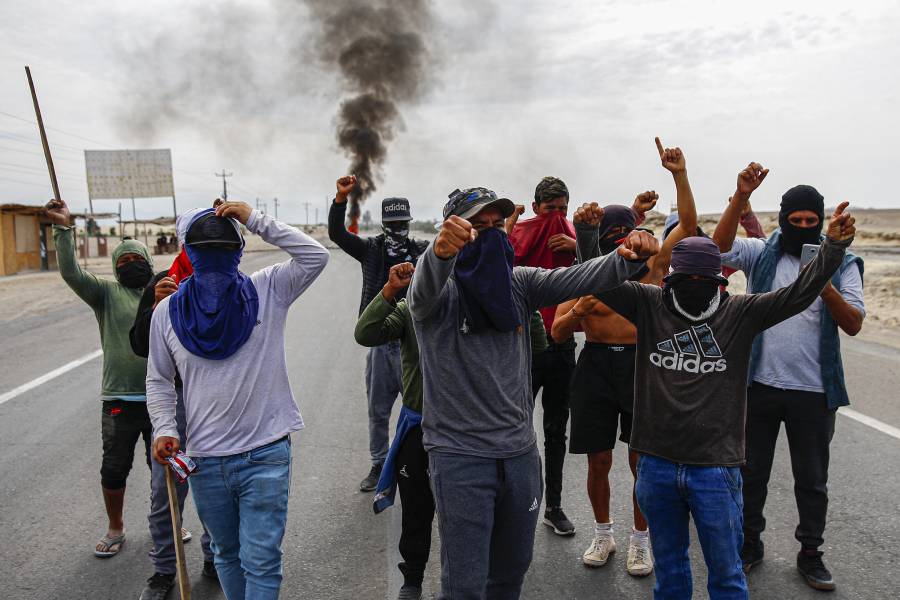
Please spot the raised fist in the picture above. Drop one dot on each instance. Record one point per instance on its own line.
(750, 178)
(589, 214)
(842, 225)
(455, 233)
(57, 212)
(645, 202)
(344, 186)
(638, 245)
(672, 158)
(400, 275)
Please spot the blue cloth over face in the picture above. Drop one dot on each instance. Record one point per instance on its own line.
(483, 273)
(214, 310)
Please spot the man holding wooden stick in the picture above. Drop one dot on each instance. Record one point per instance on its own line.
(223, 332)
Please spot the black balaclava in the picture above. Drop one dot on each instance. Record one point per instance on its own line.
(134, 274)
(694, 295)
(618, 221)
(801, 197)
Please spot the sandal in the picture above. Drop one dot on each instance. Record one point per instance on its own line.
(112, 544)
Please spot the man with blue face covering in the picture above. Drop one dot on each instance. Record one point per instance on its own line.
(223, 332)
(470, 311)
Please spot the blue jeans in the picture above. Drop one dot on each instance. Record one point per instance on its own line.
(383, 385)
(243, 501)
(163, 553)
(669, 495)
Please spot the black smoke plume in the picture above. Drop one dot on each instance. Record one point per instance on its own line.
(379, 48)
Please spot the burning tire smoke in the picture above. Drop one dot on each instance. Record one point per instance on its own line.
(379, 48)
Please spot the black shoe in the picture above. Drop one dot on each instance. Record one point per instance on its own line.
(158, 587)
(556, 518)
(752, 553)
(368, 484)
(810, 565)
(410, 592)
(209, 570)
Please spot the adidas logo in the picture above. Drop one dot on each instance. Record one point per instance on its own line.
(686, 350)
(534, 506)
(403, 471)
(394, 207)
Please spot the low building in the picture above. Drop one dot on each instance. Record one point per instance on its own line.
(26, 242)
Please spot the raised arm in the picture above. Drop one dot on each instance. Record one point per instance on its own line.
(428, 286)
(775, 307)
(383, 320)
(551, 287)
(587, 219)
(87, 286)
(290, 278)
(747, 181)
(673, 160)
(352, 244)
(749, 221)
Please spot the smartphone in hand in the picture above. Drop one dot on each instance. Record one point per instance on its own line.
(808, 253)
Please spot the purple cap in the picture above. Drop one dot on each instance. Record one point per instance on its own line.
(697, 256)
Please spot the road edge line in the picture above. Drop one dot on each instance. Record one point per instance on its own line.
(17, 391)
(890, 430)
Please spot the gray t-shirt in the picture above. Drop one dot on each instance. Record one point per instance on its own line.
(690, 393)
(244, 401)
(790, 350)
(477, 386)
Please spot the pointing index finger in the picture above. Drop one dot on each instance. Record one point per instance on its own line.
(841, 207)
(659, 147)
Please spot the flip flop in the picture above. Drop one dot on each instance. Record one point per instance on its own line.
(110, 542)
(186, 536)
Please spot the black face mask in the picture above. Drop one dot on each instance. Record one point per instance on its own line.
(694, 295)
(134, 274)
(793, 237)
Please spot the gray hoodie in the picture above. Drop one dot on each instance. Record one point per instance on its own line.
(477, 386)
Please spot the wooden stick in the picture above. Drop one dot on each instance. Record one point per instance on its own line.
(40, 122)
(184, 584)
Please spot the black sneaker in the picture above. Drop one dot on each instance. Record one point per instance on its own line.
(209, 570)
(810, 565)
(410, 592)
(752, 553)
(557, 520)
(158, 587)
(368, 484)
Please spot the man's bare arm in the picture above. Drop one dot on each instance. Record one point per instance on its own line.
(748, 180)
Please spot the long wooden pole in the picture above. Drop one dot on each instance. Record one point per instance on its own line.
(40, 122)
(184, 584)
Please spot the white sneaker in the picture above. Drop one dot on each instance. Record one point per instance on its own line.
(598, 552)
(640, 561)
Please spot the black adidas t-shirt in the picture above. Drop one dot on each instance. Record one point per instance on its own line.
(690, 389)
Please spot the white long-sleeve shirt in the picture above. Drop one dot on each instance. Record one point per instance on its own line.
(244, 401)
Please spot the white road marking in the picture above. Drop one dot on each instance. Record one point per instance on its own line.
(49, 376)
(873, 423)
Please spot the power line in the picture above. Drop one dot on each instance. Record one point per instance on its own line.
(224, 176)
(74, 135)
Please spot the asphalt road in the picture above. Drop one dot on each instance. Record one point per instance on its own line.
(335, 547)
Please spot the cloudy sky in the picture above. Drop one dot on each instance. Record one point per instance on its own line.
(515, 91)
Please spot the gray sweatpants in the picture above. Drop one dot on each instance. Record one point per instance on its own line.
(383, 385)
(163, 553)
(487, 512)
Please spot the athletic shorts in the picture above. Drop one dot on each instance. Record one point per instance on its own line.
(602, 397)
(122, 424)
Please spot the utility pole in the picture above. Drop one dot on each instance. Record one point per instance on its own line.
(317, 215)
(275, 200)
(306, 205)
(224, 175)
(257, 203)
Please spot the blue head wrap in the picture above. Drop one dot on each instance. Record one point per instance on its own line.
(214, 310)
